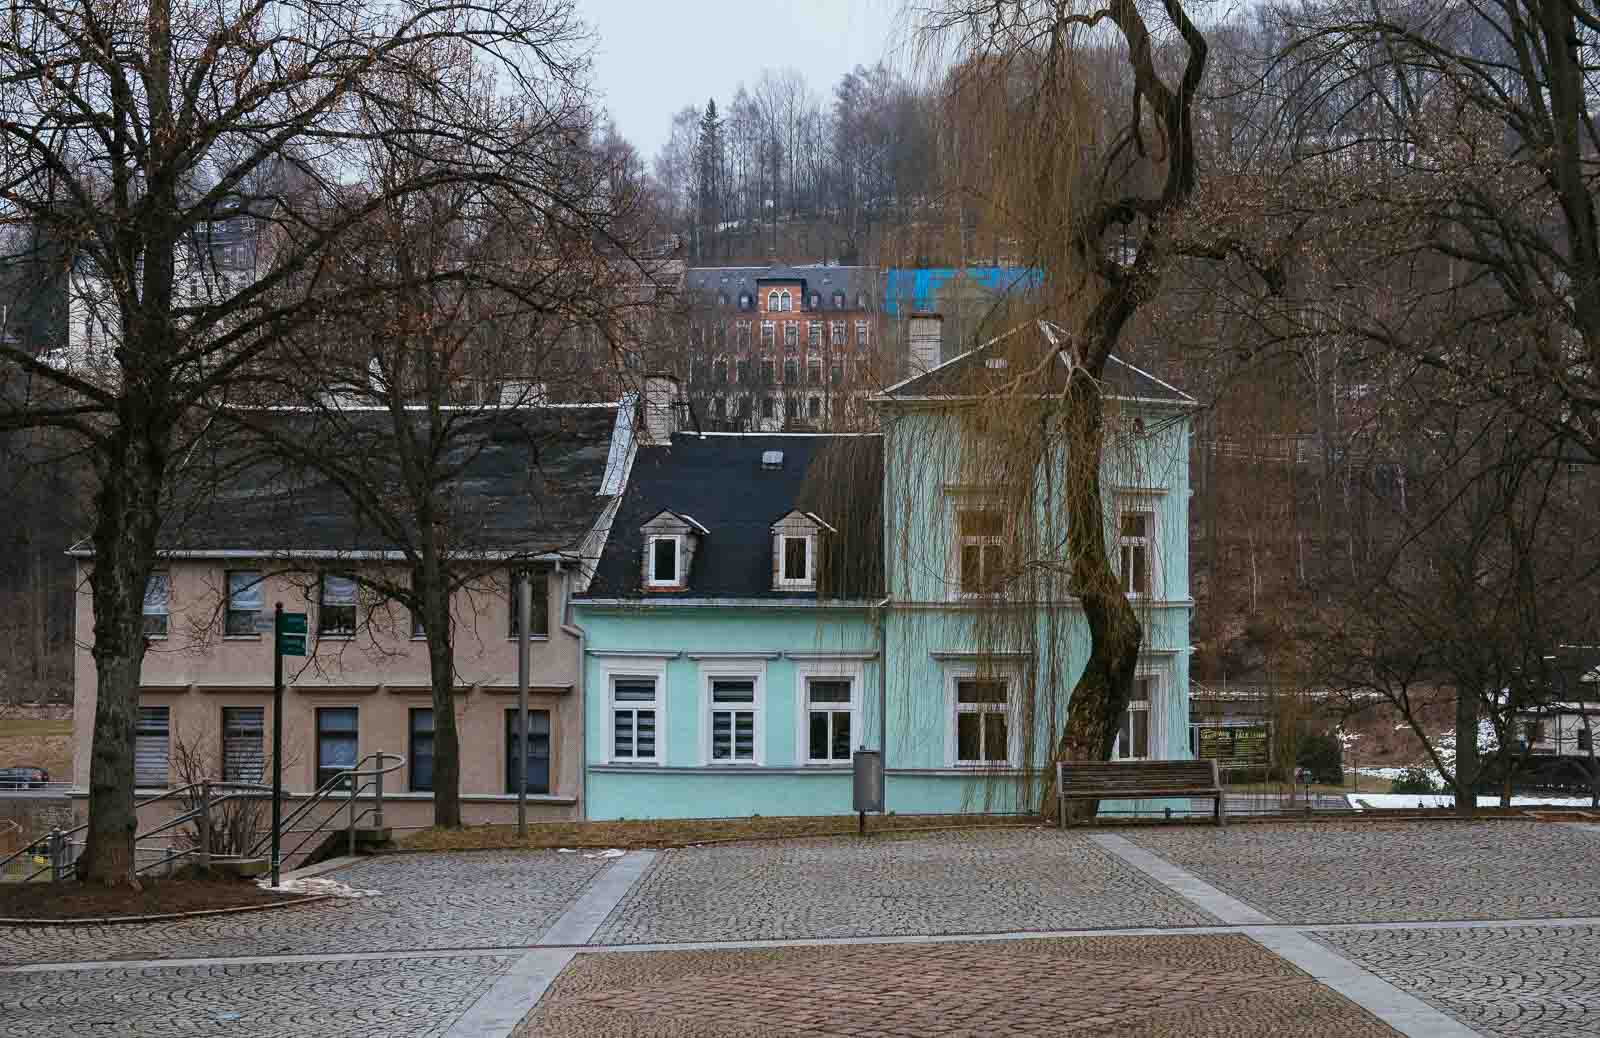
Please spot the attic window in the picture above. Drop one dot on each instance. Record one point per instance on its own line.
(772, 459)
(664, 561)
(797, 560)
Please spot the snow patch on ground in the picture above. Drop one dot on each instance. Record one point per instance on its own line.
(316, 885)
(1399, 801)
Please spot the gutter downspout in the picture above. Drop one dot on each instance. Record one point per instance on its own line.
(883, 693)
(579, 689)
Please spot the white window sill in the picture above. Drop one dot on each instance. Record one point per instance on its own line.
(512, 638)
(336, 637)
(241, 637)
(155, 637)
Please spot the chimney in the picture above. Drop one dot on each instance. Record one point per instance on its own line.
(661, 401)
(927, 335)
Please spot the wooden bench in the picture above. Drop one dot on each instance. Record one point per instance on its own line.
(1138, 780)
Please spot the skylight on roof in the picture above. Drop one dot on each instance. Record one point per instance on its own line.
(772, 459)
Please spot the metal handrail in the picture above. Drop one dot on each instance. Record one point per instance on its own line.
(327, 789)
(361, 779)
(80, 828)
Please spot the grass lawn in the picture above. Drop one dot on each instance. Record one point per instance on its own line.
(37, 742)
(682, 832)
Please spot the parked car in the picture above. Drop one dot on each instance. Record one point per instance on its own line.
(23, 778)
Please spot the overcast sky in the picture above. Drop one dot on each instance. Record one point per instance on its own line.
(655, 56)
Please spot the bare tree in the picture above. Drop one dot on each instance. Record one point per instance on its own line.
(1088, 176)
(128, 134)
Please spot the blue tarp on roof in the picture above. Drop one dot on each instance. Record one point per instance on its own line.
(908, 289)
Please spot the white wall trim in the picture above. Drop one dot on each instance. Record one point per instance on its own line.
(849, 668)
(745, 666)
(650, 667)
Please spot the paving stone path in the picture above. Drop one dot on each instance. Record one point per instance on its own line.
(382, 998)
(1206, 987)
(1523, 981)
(883, 933)
(968, 882)
(1394, 871)
(484, 899)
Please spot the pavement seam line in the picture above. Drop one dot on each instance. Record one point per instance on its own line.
(496, 1012)
(1406, 1013)
(1185, 884)
(517, 951)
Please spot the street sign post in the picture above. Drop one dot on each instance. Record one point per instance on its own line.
(288, 639)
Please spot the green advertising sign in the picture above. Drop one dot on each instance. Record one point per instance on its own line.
(292, 635)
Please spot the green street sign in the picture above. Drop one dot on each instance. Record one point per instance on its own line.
(293, 623)
(291, 645)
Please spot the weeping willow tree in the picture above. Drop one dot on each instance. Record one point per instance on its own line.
(1070, 137)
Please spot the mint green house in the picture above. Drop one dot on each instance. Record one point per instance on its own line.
(767, 603)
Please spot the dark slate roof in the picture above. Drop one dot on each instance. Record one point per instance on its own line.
(967, 374)
(718, 479)
(824, 279)
(528, 483)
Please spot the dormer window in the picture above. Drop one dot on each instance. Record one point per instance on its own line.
(796, 539)
(797, 560)
(670, 540)
(664, 561)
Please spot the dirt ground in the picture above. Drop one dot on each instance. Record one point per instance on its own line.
(71, 900)
(681, 832)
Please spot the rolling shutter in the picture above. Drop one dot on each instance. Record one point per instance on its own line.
(151, 748)
(243, 753)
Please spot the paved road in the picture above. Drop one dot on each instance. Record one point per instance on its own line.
(878, 936)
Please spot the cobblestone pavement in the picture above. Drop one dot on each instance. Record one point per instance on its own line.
(383, 998)
(1195, 987)
(948, 883)
(1392, 871)
(483, 899)
(1515, 982)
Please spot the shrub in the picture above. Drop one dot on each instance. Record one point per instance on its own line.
(1322, 755)
(1414, 780)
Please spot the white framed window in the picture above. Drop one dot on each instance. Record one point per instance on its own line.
(769, 335)
(635, 713)
(246, 598)
(814, 335)
(981, 734)
(831, 727)
(336, 606)
(732, 728)
(157, 605)
(791, 335)
(861, 335)
(666, 561)
(1136, 532)
(796, 566)
(836, 332)
(1135, 738)
(772, 300)
(784, 300)
(980, 551)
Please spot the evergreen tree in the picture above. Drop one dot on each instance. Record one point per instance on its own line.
(708, 161)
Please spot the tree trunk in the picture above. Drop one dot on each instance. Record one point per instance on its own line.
(1466, 766)
(1103, 689)
(442, 674)
(126, 522)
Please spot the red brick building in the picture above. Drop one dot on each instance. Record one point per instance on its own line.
(781, 347)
